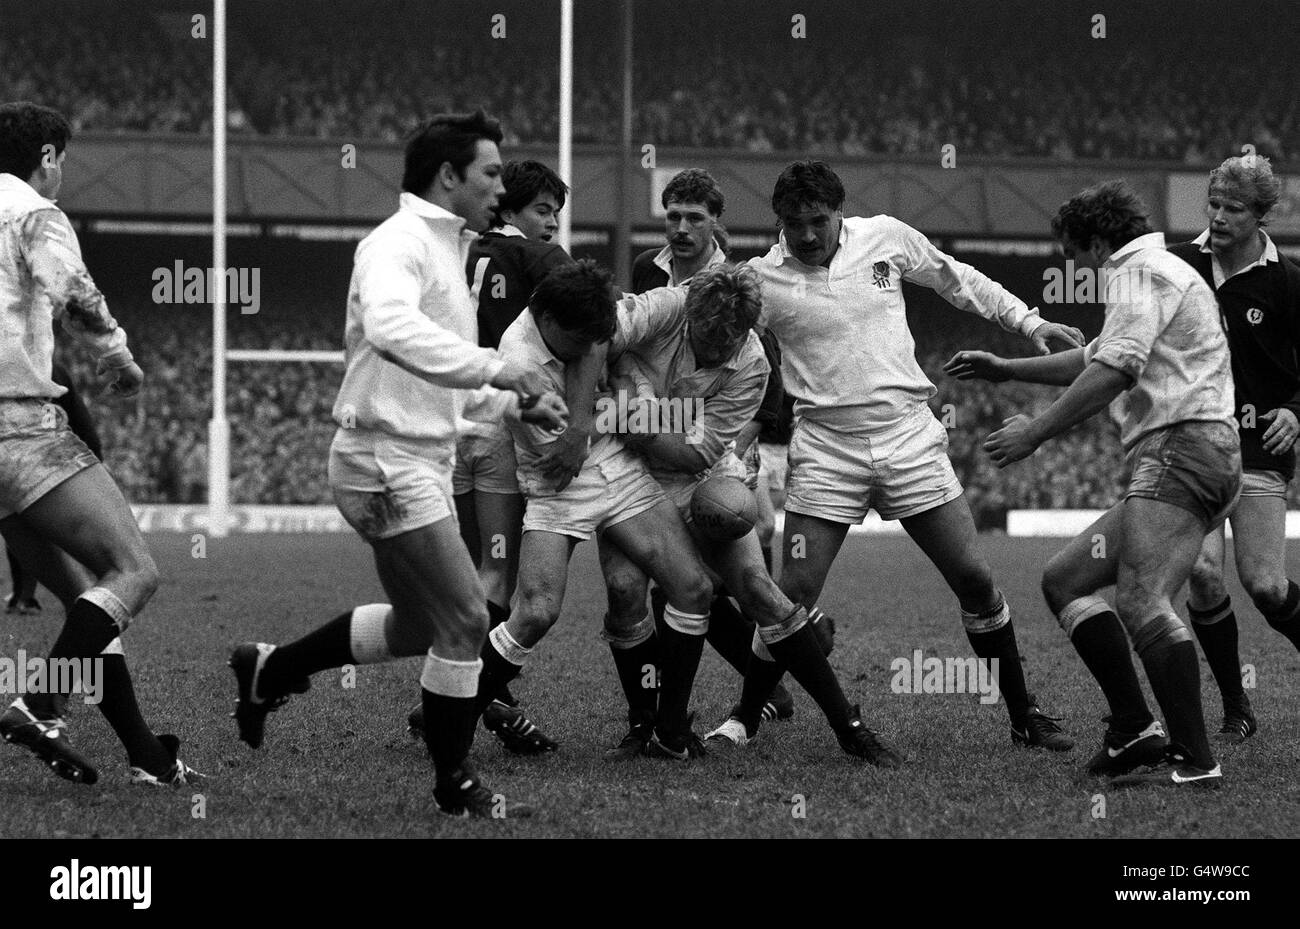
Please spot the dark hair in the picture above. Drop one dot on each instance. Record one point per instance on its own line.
(807, 183)
(525, 181)
(1111, 211)
(579, 298)
(25, 130)
(694, 185)
(447, 138)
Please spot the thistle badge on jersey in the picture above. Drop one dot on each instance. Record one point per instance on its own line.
(880, 274)
(1254, 316)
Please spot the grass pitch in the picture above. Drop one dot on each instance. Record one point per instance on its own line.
(337, 762)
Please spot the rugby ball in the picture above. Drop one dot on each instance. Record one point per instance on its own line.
(723, 508)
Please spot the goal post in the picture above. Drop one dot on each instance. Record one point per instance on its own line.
(219, 425)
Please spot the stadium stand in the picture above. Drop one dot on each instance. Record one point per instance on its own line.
(296, 71)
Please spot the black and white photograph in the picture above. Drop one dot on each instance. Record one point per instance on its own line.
(650, 419)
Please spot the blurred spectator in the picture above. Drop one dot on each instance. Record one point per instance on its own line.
(298, 68)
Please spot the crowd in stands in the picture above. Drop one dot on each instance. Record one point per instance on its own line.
(371, 71)
(895, 83)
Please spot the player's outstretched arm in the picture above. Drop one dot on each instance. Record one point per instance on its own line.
(1059, 370)
(970, 290)
(1090, 393)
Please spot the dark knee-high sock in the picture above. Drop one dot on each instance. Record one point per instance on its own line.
(729, 632)
(18, 577)
(1216, 630)
(658, 602)
(119, 708)
(503, 659)
(497, 614)
(356, 637)
(447, 690)
(801, 654)
(1098, 636)
(680, 649)
(1175, 678)
(761, 676)
(87, 631)
(992, 636)
(636, 658)
(1286, 619)
(327, 646)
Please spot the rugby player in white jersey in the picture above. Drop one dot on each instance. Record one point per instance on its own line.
(698, 356)
(505, 264)
(613, 495)
(411, 362)
(864, 436)
(60, 509)
(1161, 363)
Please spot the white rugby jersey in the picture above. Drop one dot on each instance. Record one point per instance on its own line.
(846, 350)
(523, 344)
(412, 328)
(1162, 329)
(42, 278)
(653, 327)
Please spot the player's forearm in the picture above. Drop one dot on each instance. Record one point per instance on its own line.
(747, 437)
(1059, 370)
(1091, 392)
(580, 380)
(671, 450)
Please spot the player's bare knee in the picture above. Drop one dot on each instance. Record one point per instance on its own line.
(1268, 592)
(142, 571)
(973, 582)
(536, 612)
(760, 599)
(1058, 589)
(625, 592)
(1132, 600)
(691, 592)
(462, 628)
(1205, 582)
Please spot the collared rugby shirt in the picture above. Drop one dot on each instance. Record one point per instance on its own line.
(847, 352)
(43, 278)
(411, 333)
(1163, 330)
(654, 328)
(1261, 309)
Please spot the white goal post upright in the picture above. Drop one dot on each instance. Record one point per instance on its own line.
(219, 426)
(566, 117)
(219, 521)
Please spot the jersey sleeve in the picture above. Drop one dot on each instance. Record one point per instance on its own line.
(728, 411)
(960, 284)
(389, 284)
(50, 247)
(643, 318)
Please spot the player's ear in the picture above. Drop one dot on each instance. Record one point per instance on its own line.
(447, 176)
